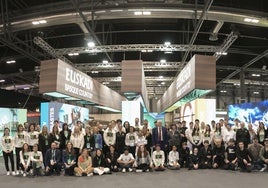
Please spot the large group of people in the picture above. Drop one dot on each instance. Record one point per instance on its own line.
(89, 150)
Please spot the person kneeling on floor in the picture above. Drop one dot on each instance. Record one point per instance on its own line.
(244, 158)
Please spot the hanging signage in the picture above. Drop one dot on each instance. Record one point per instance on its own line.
(59, 79)
(196, 79)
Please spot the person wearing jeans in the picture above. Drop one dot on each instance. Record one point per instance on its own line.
(7, 144)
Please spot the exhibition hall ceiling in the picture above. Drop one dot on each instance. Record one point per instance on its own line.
(164, 34)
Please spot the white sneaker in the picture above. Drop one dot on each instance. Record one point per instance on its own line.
(130, 170)
(124, 170)
(8, 173)
(13, 173)
(139, 170)
(90, 174)
(24, 174)
(264, 168)
(17, 172)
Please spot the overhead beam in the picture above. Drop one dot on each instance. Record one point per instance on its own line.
(245, 66)
(201, 19)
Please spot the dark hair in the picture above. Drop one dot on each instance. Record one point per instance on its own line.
(207, 130)
(29, 128)
(23, 151)
(126, 148)
(206, 142)
(195, 131)
(18, 127)
(6, 128)
(72, 152)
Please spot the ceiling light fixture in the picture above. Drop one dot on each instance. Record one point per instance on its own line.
(39, 22)
(91, 44)
(1, 81)
(252, 20)
(255, 75)
(221, 53)
(140, 13)
(223, 91)
(167, 43)
(10, 61)
(105, 61)
(163, 61)
(256, 92)
(73, 54)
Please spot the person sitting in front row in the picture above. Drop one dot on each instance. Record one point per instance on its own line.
(230, 161)
(69, 159)
(111, 159)
(173, 159)
(126, 160)
(194, 160)
(84, 165)
(37, 161)
(244, 158)
(264, 155)
(206, 154)
(184, 154)
(25, 159)
(158, 159)
(52, 160)
(143, 161)
(99, 164)
(218, 154)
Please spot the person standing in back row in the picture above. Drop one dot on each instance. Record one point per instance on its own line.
(242, 135)
(159, 136)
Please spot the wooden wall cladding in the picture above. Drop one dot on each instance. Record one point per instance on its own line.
(133, 79)
(131, 76)
(199, 73)
(58, 76)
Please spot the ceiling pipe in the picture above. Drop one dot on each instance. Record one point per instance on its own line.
(214, 35)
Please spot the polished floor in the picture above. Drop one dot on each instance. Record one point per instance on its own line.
(166, 179)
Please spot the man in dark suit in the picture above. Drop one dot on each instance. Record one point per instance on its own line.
(53, 160)
(159, 136)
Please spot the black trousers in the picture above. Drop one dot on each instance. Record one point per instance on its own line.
(143, 167)
(11, 158)
(22, 167)
(77, 153)
(18, 157)
(230, 166)
(244, 167)
(219, 160)
(70, 171)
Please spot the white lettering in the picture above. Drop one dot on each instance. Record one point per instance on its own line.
(51, 117)
(184, 88)
(79, 79)
(183, 76)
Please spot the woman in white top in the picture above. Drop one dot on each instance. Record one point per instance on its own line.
(173, 159)
(207, 135)
(158, 158)
(19, 140)
(32, 136)
(196, 137)
(77, 139)
(7, 144)
(37, 161)
(131, 140)
(141, 140)
(25, 159)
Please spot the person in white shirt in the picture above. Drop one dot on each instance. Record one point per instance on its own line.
(77, 139)
(33, 136)
(109, 137)
(37, 161)
(7, 144)
(158, 158)
(143, 161)
(20, 138)
(188, 134)
(126, 161)
(207, 135)
(173, 159)
(141, 140)
(25, 159)
(137, 125)
(131, 140)
(228, 134)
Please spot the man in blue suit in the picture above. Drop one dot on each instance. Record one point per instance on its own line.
(53, 160)
(160, 136)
